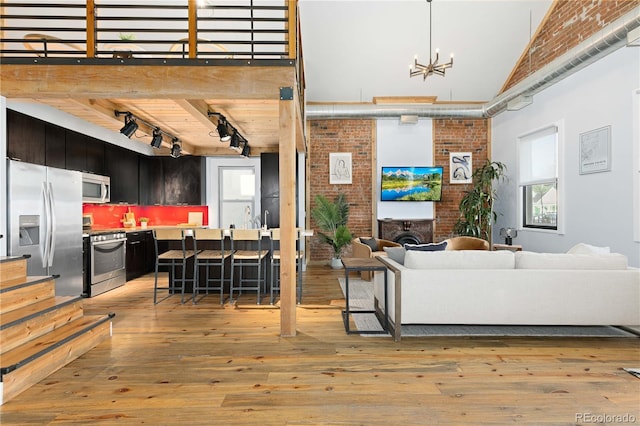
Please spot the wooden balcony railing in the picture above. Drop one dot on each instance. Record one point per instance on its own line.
(180, 29)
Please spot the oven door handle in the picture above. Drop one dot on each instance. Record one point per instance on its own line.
(102, 243)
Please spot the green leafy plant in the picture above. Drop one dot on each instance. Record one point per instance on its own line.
(126, 37)
(476, 207)
(331, 218)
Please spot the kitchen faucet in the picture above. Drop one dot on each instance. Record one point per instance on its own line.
(266, 212)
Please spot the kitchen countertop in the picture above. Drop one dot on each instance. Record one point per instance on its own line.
(106, 230)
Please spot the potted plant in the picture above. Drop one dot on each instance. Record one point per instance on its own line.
(476, 207)
(143, 222)
(331, 218)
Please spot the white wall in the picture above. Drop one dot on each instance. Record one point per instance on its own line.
(404, 145)
(599, 207)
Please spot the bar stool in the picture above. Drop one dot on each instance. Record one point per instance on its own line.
(250, 257)
(173, 258)
(275, 264)
(208, 258)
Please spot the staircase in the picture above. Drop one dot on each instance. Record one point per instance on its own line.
(39, 331)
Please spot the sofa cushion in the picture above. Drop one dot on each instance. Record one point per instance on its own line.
(395, 253)
(426, 247)
(459, 259)
(371, 242)
(531, 260)
(582, 248)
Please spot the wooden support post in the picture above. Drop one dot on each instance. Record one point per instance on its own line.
(91, 29)
(287, 213)
(193, 29)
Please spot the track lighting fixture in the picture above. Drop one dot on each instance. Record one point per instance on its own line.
(156, 140)
(176, 148)
(130, 126)
(235, 141)
(246, 151)
(222, 127)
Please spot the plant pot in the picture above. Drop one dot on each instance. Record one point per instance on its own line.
(143, 225)
(336, 263)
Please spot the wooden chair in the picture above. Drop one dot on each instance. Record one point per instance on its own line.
(174, 259)
(254, 256)
(467, 243)
(275, 265)
(209, 258)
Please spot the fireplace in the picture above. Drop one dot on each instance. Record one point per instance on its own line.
(412, 231)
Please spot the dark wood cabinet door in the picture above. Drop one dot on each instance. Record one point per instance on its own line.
(122, 166)
(151, 181)
(270, 188)
(182, 180)
(25, 138)
(55, 146)
(95, 156)
(76, 152)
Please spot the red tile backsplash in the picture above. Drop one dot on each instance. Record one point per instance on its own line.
(111, 215)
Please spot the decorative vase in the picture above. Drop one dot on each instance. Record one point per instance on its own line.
(336, 263)
(143, 225)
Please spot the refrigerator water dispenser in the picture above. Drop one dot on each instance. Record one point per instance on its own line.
(29, 230)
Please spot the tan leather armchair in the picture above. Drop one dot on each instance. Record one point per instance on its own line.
(467, 243)
(361, 250)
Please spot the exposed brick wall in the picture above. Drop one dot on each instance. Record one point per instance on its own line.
(456, 135)
(358, 137)
(568, 24)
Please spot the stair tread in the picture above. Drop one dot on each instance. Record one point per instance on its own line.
(48, 340)
(30, 280)
(8, 318)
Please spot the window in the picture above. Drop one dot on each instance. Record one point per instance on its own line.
(538, 178)
(237, 197)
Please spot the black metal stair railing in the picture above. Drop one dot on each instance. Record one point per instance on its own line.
(242, 29)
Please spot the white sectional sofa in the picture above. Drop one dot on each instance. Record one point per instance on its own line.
(507, 288)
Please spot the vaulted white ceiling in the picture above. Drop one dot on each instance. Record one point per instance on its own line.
(355, 50)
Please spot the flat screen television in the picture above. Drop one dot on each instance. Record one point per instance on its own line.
(411, 183)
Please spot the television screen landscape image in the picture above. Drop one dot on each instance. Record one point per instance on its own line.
(411, 183)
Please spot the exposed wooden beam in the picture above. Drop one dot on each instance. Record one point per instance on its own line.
(198, 110)
(144, 81)
(288, 237)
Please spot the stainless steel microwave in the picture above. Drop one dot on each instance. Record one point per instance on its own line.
(96, 188)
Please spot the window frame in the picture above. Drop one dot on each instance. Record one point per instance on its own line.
(558, 180)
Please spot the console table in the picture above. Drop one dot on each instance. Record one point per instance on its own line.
(356, 264)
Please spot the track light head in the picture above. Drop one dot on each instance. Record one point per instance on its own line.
(235, 141)
(246, 151)
(176, 148)
(223, 131)
(156, 140)
(130, 126)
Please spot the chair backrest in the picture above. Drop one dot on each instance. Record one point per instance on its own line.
(169, 234)
(246, 234)
(467, 243)
(208, 234)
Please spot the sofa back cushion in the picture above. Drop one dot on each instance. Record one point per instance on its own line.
(460, 259)
(531, 260)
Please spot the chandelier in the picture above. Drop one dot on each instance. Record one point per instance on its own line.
(434, 67)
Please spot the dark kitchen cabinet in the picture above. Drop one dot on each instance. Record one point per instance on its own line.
(25, 138)
(151, 181)
(76, 151)
(171, 181)
(55, 146)
(139, 252)
(95, 156)
(182, 180)
(270, 188)
(122, 166)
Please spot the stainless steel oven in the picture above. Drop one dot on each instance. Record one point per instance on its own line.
(107, 262)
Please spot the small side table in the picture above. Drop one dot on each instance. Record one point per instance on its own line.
(354, 264)
(507, 247)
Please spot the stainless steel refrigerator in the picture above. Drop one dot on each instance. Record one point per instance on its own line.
(45, 222)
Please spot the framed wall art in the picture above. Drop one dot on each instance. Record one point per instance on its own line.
(595, 151)
(340, 169)
(460, 167)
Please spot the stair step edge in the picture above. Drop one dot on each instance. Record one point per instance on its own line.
(66, 301)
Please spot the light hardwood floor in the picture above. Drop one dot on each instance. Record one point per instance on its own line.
(210, 364)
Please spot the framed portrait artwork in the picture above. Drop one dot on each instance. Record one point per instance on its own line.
(340, 169)
(460, 167)
(595, 151)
